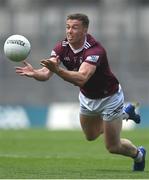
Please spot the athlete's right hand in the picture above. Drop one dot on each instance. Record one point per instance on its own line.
(26, 70)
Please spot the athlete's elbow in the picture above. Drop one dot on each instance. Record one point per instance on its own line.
(82, 80)
(80, 83)
(76, 82)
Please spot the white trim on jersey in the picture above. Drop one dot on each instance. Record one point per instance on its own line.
(64, 43)
(76, 50)
(53, 53)
(87, 45)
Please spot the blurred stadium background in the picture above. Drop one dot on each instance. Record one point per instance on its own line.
(122, 27)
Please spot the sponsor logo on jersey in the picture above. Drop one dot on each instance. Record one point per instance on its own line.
(66, 58)
(93, 58)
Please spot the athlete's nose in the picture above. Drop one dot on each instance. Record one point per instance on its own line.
(69, 30)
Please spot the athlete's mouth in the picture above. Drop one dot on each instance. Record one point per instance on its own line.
(69, 37)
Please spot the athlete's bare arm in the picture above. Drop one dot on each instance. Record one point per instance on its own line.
(42, 74)
(78, 78)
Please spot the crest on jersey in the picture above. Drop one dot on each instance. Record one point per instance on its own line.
(93, 58)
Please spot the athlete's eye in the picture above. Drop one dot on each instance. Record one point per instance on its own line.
(75, 27)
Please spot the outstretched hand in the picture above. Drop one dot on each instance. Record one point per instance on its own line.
(26, 70)
(52, 65)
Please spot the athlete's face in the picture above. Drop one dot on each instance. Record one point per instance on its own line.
(75, 32)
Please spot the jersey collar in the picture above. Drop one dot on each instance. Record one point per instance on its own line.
(75, 51)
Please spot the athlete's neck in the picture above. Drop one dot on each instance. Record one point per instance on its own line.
(78, 47)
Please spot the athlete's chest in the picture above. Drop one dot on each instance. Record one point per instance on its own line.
(71, 60)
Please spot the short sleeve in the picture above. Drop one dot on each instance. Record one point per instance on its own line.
(57, 50)
(94, 55)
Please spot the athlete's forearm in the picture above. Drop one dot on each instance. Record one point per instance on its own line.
(74, 77)
(41, 75)
(78, 78)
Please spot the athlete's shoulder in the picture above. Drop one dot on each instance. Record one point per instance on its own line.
(59, 47)
(95, 53)
(61, 44)
(93, 46)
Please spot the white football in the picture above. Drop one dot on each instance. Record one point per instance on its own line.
(17, 48)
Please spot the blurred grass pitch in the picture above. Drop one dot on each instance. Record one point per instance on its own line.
(43, 154)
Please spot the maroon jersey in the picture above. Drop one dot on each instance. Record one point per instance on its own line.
(103, 83)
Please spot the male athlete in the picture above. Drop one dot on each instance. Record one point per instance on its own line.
(101, 96)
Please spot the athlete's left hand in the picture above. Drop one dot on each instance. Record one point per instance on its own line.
(52, 64)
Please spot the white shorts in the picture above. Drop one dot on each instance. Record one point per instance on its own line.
(109, 108)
